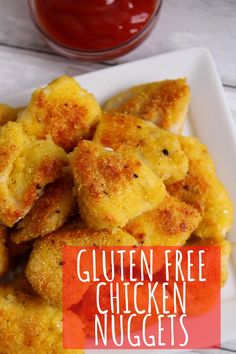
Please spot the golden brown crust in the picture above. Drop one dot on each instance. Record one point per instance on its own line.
(170, 224)
(28, 325)
(4, 254)
(112, 188)
(165, 103)
(202, 189)
(156, 147)
(27, 165)
(49, 212)
(62, 109)
(44, 270)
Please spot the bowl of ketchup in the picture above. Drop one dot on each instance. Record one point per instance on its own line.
(94, 29)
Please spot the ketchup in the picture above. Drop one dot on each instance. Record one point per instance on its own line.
(93, 24)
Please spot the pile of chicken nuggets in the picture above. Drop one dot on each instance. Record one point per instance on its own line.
(75, 173)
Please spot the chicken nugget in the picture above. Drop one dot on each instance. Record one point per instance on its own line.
(27, 165)
(28, 325)
(62, 109)
(4, 254)
(156, 147)
(49, 212)
(8, 113)
(164, 103)
(44, 270)
(170, 224)
(202, 189)
(112, 188)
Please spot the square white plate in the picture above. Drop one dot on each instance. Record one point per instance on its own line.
(209, 119)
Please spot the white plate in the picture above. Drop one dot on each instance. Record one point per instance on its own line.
(209, 119)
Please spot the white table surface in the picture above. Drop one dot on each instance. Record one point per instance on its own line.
(26, 61)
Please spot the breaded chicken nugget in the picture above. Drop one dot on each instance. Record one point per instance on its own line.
(8, 113)
(170, 224)
(225, 251)
(27, 165)
(159, 149)
(49, 212)
(28, 325)
(62, 109)
(44, 270)
(164, 103)
(4, 254)
(202, 189)
(112, 188)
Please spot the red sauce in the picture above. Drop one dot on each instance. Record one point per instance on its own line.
(93, 24)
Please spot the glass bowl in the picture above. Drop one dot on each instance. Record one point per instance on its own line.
(96, 55)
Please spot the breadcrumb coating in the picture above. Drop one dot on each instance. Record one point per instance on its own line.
(112, 188)
(202, 189)
(27, 165)
(62, 109)
(156, 147)
(164, 103)
(49, 212)
(170, 224)
(28, 325)
(44, 270)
